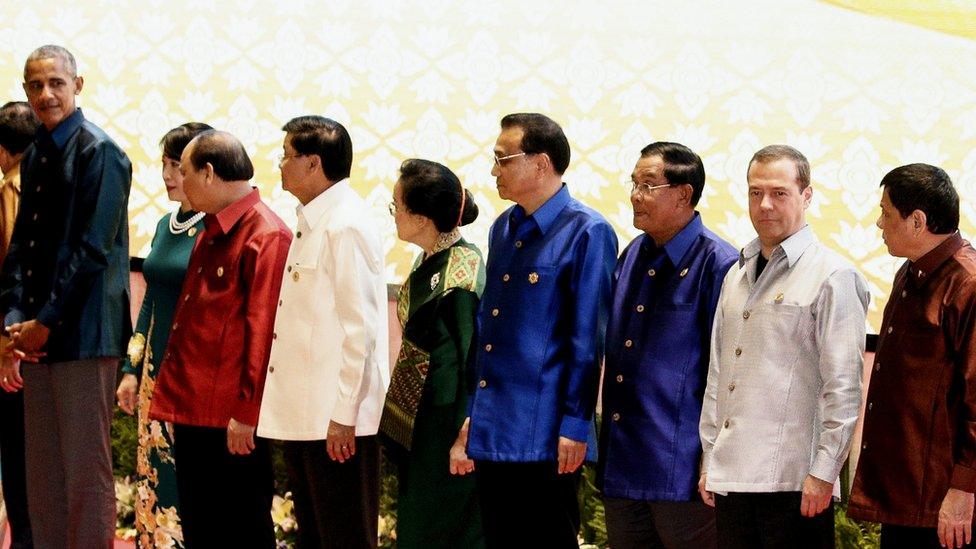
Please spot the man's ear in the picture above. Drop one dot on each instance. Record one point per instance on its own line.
(79, 83)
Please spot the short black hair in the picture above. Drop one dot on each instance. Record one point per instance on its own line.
(681, 166)
(176, 139)
(325, 138)
(772, 153)
(224, 152)
(18, 125)
(433, 191)
(541, 134)
(927, 188)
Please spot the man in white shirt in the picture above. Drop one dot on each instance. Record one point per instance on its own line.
(328, 371)
(784, 380)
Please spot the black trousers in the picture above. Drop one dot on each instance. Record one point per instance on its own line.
(12, 468)
(633, 524)
(336, 504)
(770, 521)
(528, 505)
(908, 537)
(225, 499)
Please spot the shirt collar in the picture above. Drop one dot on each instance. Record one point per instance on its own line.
(928, 263)
(677, 247)
(13, 177)
(793, 247)
(225, 219)
(546, 215)
(322, 204)
(64, 130)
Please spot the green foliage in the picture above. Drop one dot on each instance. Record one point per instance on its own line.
(854, 534)
(593, 530)
(125, 440)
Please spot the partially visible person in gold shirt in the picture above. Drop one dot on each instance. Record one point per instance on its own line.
(18, 124)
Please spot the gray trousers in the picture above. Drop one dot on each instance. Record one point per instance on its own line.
(67, 419)
(659, 524)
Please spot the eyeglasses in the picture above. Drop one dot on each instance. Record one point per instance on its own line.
(281, 157)
(644, 188)
(499, 159)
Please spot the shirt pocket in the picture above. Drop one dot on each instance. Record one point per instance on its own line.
(670, 334)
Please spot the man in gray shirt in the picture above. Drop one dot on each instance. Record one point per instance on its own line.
(784, 381)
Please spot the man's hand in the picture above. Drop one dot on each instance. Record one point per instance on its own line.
(571, 455)
(956, 519)
(29, 336)
(461, 464)
(126, 393)
(340, 441)
(816, 496)
(240, 437)
(10, 379)
(707, 497)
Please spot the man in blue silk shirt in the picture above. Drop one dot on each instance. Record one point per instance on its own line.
(66, 299)
(666, 286)
(541, 329)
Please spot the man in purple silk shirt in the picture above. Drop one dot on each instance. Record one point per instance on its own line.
(666, 285)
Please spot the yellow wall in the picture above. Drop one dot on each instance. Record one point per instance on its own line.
(859, 94)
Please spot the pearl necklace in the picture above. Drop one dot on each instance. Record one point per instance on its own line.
(180, 227)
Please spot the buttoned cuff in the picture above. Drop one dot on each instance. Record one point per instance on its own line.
(825, 468)
(48, 316)
(345, 413)
(247, 412)
(574, 428)
(963, 478)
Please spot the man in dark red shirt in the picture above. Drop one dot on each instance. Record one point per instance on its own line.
(917, 470)
(212, 376)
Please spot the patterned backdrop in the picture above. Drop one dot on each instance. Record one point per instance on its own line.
(859, 93)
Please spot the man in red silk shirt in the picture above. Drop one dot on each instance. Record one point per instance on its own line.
(212, 376)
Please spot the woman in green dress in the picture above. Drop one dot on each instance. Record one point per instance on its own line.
(157, 508)
(427, 400)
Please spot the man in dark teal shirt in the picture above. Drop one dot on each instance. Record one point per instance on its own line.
(66, 298)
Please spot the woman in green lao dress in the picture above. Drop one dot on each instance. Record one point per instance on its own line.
(427, 399)
(157, 508)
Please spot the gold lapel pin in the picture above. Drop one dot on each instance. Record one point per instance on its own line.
(533, 278)
(779, 297)
(683, 272)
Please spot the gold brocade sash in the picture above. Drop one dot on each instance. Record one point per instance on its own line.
(403, 396)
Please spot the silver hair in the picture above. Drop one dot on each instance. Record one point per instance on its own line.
(51, 51)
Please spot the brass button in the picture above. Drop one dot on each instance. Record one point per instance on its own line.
(651, 272)
(294, 276)
(488, 348)
(904, 293)
(616, 416)
(176, 326)
(505, 278)
(288, 269)
(494, 312)
(629, 343)
(890, 329)
(35, 217)
(731, 386)
(271, 369)
(727, 424)
(281, 302)
(30, 244)
(220, 271)
(191, 232)
(640, 308)
(482, 384)
(298, 234)
(877, 366)
(738, 351)
(620, 378)
(745, 315)
(518, 243)
(199, 270)
(274, 335)
(870, 405)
